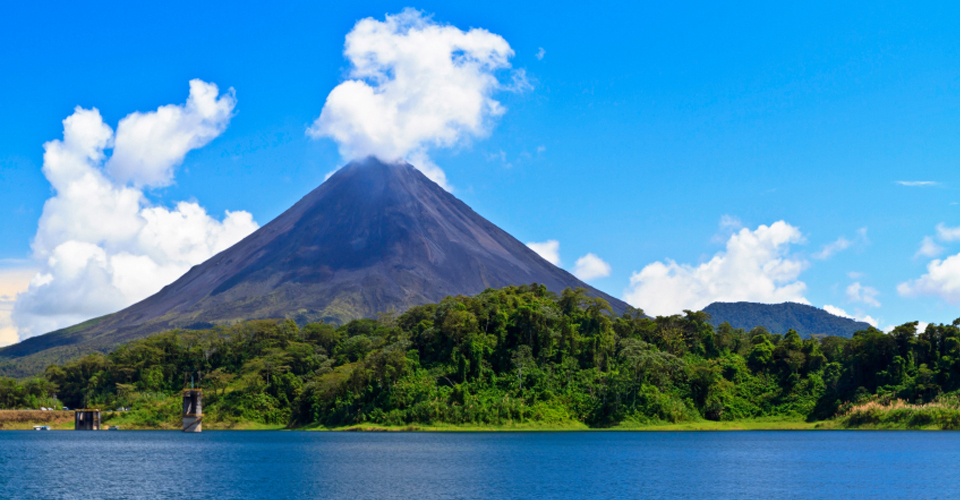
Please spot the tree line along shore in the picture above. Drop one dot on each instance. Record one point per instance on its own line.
(514, 358)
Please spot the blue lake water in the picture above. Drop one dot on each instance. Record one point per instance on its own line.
(563, 465)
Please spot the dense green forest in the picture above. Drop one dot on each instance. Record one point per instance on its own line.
(511, 356)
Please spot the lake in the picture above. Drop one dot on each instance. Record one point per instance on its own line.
(498, 465)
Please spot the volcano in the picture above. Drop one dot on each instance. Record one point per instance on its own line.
(375, 237)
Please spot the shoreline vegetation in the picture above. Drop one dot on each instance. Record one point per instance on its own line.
(514, 359)
(696, 426)
(896, 415)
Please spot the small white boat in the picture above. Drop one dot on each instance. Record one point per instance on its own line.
(41, 427)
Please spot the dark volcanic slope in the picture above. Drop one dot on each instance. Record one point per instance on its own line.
(778, 318)
(373, 238)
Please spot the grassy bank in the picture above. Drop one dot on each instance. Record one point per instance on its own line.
(871, 416)
(162, 412)
(941, 414)
(19, 420)
(699, 425)
(511, 427)
(129, 422)
(758, 424)
(63, 420)
(26, 419)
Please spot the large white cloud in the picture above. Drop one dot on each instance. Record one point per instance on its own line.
(100, 244)
(756, 266)
(148, 146)
(414, 85)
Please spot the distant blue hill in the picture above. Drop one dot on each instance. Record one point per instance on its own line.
(778, 318)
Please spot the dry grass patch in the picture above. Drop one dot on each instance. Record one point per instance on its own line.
(26, 419)
(943, 413)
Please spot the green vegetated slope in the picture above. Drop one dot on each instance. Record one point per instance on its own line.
(804, 319)
(519, 357)
(34, 354)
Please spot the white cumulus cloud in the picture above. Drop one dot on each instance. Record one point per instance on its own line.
(549, 250)
(415, 85)
(756, 266)
(832, 248)
(943, 275)
(148, 146)
(941, 280)
(591, 267)
(100, 244)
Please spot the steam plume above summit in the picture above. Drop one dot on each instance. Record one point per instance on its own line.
(415, 85)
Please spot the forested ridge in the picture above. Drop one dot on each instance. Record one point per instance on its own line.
(513, 356)
(804, 318)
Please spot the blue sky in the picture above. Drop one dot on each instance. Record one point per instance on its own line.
(645, 127)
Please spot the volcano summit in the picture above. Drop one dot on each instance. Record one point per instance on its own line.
(374, 237)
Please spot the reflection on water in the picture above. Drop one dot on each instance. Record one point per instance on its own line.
(565, 465)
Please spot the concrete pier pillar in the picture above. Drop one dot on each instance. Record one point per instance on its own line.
(86, 420)
(192, 410)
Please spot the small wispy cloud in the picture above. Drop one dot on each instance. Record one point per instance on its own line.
(728, 225)
(918, 183)
(731, 222)
(841, 244)
(929, 248)
(833, 248)
(500, 155)
(866, 294)
(947, 233)
(540, 53)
